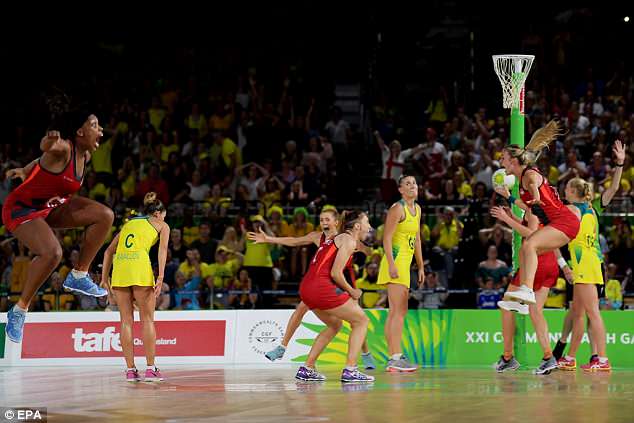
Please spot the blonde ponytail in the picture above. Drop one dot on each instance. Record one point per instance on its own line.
(582, 189)
(540, 140)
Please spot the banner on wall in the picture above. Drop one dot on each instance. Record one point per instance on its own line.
(465, 338)
(91, 338)
(430, 338)
(425, 338)
(260, 331)
(477, 334)
(102, 339)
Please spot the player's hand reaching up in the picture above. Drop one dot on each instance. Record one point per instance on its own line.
(619, 152)
(501, 213)
(259, 237)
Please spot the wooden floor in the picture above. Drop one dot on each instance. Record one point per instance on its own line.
(270, 394)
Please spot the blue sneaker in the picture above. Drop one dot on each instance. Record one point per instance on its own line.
(84, 286)
(351, 376)
(368, 361)
(15, 324)
(276, 353)
(506, 366)
(400, 365)
(304, 373)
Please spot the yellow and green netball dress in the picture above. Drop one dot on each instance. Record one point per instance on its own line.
(585, 258)
(403, 246)
(131, 264)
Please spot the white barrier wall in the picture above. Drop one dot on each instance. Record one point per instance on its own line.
(92, 338)
(183, 337)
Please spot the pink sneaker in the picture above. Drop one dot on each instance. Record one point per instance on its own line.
(153, 375)
(597, 366)
(567, 364)
(132, 375)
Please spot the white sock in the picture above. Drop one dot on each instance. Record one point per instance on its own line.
(283, 346)
(526, 288)
(603, 360)
(18, 308)
(308, 367)
(366, 354)
(132, 369)
(351, 368)
(569, 358)
(153, 368)
(78, 274)
(396, 356)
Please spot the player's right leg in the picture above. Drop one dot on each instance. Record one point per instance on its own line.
(40, 239)
(292, 325)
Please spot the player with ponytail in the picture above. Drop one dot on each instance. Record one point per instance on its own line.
(133, 279)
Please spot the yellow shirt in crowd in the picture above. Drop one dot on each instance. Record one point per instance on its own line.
(293, 231)
(188, 270)
(613, 291)
(223, 274)
(166, 150)
(101, 158)
(448, 237)
(369, 299)
(557, 300)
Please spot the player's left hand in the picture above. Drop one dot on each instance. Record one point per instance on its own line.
(158, 287)
(619, 151)
(356, 293)
(421, 278)
(105, 285)
(503, 191)
(500, 213)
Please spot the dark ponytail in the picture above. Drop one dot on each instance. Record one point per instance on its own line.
(151, 204)
(349, 218)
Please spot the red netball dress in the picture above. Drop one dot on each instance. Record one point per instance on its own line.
(552, 212)
(318, 290)
(41, 193)
(547, 271)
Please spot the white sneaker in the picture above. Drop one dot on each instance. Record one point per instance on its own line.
(523, 295)
(513, 306)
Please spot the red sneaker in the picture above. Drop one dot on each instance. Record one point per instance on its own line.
(567, 364)
(597, 366)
